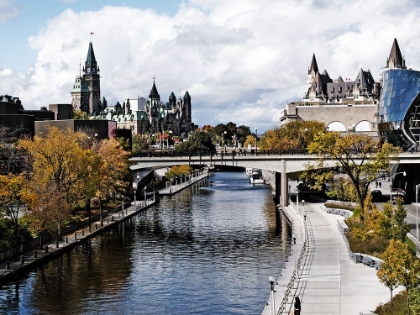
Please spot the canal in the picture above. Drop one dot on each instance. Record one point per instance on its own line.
(206, 250)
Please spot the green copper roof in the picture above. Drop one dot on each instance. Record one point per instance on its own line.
(187, 95)
(80, 86)
(90, 59)
(141, 115)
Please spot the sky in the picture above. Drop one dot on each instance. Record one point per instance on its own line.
(240, 60)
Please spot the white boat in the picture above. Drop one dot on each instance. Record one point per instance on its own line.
(256, 178)
(248, 171)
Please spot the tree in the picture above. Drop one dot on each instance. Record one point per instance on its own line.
(12, 158)
(113, 169)
(250, 140)
(392, 223)
(178, 171)
(399, 267)
(198, 142)
(59, 165)
(139, 143)
(355, 155)
(12, 199)
(392, 265)
(295, 135)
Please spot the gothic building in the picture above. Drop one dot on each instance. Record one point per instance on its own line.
(343, 105)
(142, 116)
(151, 115)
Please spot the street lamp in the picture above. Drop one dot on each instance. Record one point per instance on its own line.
(256, 141)
(135, 193)
(224, 141)
(145, 188)
(273, 308)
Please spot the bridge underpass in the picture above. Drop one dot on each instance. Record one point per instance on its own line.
(280, 164)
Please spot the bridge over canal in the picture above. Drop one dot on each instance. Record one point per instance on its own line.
(281, 164)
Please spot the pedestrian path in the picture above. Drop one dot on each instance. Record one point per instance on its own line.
(173, 189)
(52, 249)
(328, 281)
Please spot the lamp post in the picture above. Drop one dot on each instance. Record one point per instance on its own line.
(273, 308)
(224, 141)
(145, 195)
(256, 141)
(135, 193)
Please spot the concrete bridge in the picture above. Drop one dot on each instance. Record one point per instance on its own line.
(281, 164)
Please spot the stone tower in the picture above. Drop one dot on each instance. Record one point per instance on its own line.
(80, 95)
(92, 78)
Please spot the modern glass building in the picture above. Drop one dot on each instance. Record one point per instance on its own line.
(399, 105)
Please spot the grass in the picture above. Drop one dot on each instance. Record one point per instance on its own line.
(397, 306)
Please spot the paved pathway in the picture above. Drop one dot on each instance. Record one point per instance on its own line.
(330, 282)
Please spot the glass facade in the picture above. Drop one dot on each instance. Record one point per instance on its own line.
(398, 115)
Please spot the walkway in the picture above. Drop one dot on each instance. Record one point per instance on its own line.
(52, 249)
(329, 281)
(173, 189)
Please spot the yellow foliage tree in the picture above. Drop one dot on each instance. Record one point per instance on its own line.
(59, 167)
(112, 169)
(178, 171)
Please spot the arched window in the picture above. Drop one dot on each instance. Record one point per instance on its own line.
(336, 126)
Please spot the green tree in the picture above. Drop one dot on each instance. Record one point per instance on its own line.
(198, 142)
(139, 143)
(12, 200)
(392, 223)
(355, 155)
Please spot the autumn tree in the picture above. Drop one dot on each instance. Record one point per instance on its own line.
(399, 267)
(112, 170)
(59, 165)
(250, 140)
(295, 135)
(178, 171)
(356, 155)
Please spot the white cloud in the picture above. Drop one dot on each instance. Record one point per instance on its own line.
(9, 9)
(239, 60)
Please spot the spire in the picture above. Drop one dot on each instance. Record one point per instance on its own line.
(395, 60)
(90, 58)
(154, 93)
(314, 65)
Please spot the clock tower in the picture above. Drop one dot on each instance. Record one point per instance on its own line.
(92, 79)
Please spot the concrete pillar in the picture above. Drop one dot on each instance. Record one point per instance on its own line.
(278, 188)
(283, 186)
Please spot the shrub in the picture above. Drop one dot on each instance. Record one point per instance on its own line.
(397, 306)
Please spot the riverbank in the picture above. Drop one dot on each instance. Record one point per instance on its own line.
(326, 279)
(50, 250)
(29, 259)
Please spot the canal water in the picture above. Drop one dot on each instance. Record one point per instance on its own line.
(207, 250)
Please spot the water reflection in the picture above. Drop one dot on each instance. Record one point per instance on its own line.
(207, 250)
